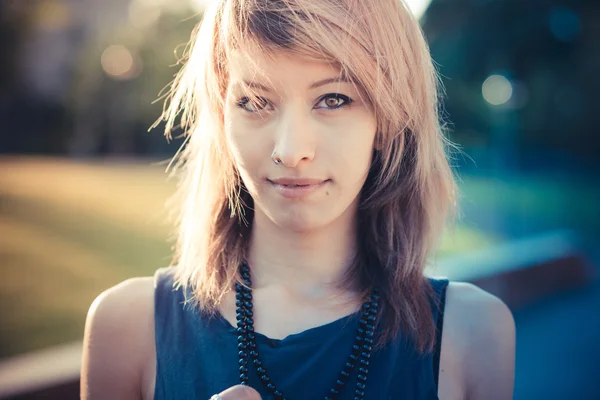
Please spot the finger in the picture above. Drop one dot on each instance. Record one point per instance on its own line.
(240, 392)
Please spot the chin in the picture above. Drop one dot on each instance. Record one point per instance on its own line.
(298, 220)
(299, 223)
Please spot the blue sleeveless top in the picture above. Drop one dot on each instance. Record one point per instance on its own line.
(196, 356)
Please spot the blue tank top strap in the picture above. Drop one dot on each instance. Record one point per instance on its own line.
(439, 286)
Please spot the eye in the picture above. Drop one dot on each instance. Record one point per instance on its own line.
(334, 101)
(253, 105)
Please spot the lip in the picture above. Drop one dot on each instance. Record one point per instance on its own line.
(293, 188)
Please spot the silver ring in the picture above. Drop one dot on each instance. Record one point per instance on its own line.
(276, 160)
(215, 397)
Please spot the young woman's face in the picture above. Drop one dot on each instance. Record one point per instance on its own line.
(303, 145)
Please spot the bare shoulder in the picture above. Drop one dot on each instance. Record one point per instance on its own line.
(118, 341)
(481, 331)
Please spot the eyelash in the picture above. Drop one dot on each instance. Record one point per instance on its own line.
(241, 103)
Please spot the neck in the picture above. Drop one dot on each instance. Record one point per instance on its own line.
(305, 263)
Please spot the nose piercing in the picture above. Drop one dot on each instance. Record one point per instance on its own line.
(275, 158)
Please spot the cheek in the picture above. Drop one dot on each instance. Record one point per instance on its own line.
(237, 140)
(246, 149)
(355, 154)
(356, 166)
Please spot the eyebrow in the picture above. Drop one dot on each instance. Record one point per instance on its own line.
(314, 85)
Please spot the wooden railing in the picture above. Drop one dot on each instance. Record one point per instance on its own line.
(48, 374)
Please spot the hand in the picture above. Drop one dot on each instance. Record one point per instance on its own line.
(240, 392)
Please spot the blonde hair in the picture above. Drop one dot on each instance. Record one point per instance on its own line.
(410, 189)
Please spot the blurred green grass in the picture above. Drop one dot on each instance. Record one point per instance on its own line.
(543, 202)
(69, 230)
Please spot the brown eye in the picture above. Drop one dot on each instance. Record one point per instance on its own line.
(334, 101)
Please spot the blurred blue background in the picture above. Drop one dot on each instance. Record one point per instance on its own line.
(83, 184)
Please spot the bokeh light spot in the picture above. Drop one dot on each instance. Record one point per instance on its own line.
(497, 90)
(117, 61)
(565, 24)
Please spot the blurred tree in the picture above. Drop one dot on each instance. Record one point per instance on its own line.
(36, 62)
(15, 23)
(549, 50)
(114, 109)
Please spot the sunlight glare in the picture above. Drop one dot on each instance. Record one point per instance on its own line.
(418, 7)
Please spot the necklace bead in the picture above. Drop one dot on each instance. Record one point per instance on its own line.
(361, 349)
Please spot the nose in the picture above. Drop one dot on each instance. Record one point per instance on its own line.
(295, 138)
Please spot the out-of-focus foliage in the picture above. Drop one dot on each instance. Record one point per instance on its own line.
(549, 52)
(122, 109)
(101, 112)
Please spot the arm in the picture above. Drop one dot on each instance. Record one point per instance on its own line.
(487, 344)
(116, 346)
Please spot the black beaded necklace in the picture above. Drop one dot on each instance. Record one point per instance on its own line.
(361, 350)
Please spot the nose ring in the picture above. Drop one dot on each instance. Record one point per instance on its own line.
(275, 158)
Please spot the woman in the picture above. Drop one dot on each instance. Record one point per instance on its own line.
(315, 184)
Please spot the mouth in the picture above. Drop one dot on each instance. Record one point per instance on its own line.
(295, 187)
(297, 181)
(290, 185)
